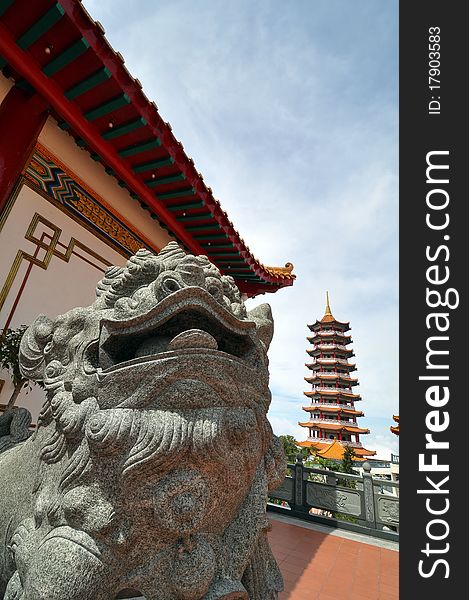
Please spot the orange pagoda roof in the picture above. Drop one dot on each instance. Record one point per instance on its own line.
(334, 427)
(335, 450)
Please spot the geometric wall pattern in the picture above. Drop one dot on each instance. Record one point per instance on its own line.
(60, 186)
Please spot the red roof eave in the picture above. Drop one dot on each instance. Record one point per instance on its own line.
(24, 64)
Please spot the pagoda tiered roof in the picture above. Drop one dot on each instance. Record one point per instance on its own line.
(333, 392)
(331, 362)
(333, 347)
(317, 377)
(321, 337)
(61, 55)
(333, 409)
(318, 326)
(350, 428)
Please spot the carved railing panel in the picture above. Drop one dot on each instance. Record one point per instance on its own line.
(335, 499)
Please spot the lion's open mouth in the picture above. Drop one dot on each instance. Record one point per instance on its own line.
(188, 320)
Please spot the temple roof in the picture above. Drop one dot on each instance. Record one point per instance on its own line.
(335, 450)
(59, 52)
(334, 426)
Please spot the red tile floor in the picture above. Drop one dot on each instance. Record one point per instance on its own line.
(319, 565)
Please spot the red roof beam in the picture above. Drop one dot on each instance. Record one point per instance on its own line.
(52, 93)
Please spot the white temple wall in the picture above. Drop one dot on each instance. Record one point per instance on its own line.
(79, 221)
(58, 286)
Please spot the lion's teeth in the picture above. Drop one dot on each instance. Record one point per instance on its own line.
(193, 338)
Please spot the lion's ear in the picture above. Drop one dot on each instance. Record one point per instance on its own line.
(32, 345)
(262, 317)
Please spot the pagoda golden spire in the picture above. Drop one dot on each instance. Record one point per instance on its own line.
(328, 308)
(328, 314)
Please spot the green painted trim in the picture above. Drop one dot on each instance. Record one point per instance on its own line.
(50, 18)
(208, 227)
(153, 164)
(5, 5)
(123, 129)
(187, 206)
(211, 236)
(87, 84)
(164, 180)
(67, 56)
(249, 279)
(203, 217)
(63, 125)
(109, 171)
(95, 157)
(137, 148)
(3, 62)
(230, 261)
(240, 269)
(80, 142)
(107, 107)
(24, 85)
(217, 246)
(217, 257)
(177, 194)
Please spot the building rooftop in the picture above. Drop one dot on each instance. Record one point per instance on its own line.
(59, 53)
(320, 563)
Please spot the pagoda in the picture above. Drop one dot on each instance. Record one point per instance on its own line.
(332, 422)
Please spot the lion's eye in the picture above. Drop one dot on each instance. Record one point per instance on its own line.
(214, 287)
(170, 285)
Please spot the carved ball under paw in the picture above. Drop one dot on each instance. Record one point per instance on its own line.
(193, 568)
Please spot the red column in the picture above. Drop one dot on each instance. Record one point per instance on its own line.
(22, 116)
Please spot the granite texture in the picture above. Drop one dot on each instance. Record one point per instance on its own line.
(153, 456)
(14, 427)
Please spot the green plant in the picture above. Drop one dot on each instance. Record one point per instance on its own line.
(291, 449)
(10, 340)
(347, 460)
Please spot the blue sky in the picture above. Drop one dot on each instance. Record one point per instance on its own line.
(290, 111)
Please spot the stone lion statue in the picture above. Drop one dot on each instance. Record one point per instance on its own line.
(153, 456)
